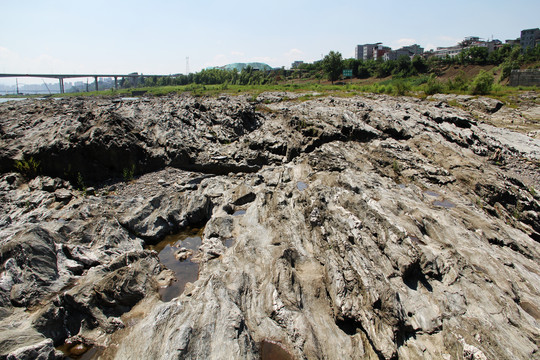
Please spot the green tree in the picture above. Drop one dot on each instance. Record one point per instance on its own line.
(333, 65)
(532, 54)
(385, 68)
(419, 64)
(498, 55)
(363, 70)
(125, 82)
(465, 43)
(513, 60)
(474, 55)
(482, 83)
(433, 86)
(403, 67)
(459, 83)
(352, 64)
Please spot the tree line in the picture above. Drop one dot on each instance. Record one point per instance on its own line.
(332, 65)
(248, 76)
(507, 56)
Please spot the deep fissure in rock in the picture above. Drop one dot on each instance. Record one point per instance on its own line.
(351, 326)
(413, 275)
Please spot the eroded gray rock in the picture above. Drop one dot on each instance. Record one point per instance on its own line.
(414, 234)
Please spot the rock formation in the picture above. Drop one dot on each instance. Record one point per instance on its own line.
(365, 227)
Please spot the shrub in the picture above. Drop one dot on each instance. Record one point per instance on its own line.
(459, 82)
(482, 83)
(396, 167)
(27, 168)
(433, 86)
(128, 173)
(507, 68)
(80, 182)
(401, 87)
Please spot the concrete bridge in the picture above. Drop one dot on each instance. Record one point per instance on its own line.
(61, 77)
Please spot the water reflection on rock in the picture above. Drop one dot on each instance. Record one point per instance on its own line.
(176, 252)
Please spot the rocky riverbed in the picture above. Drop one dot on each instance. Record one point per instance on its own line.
(330, 228)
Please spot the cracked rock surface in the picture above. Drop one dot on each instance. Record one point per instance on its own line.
(334, 228)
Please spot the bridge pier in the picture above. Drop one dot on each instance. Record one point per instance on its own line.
(61, 80)
(116, 82)
(96, 78)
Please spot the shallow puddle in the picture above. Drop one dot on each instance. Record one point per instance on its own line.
(431, 193)
(239, 212)
(444, 203)
(300, 185)
(80, 351)
(184, 270)
(229, 242)
(271, 350)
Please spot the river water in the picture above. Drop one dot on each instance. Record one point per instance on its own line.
(11, 99)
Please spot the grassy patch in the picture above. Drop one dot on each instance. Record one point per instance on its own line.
(418, 86)
(28, 168)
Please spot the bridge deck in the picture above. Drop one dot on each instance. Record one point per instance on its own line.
(61, 77)
(66, 76)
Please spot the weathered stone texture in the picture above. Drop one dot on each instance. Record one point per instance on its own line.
(530, 77)
(336, 228)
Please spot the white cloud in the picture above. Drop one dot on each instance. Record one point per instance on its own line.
(285, 59)
(263, 59)
(6, 54)
(448, 40)
(224, 59)
(290, 56)
(8, 60)
(47, 63)
(402, 42)
(405, 41)
(218, 60)
(13, 63)
(294, 52)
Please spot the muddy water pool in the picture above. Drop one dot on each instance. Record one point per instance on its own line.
(184, 270)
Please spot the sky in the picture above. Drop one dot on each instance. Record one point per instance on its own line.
(157, 36)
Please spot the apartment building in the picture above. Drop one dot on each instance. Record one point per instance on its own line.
(409, 51)
(449, 51)
(468, 42)
(365, 52)
(529, 38)
(380, 51)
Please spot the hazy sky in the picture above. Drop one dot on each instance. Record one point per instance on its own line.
(156, 36)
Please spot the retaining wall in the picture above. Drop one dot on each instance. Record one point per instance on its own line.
(530, 77)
